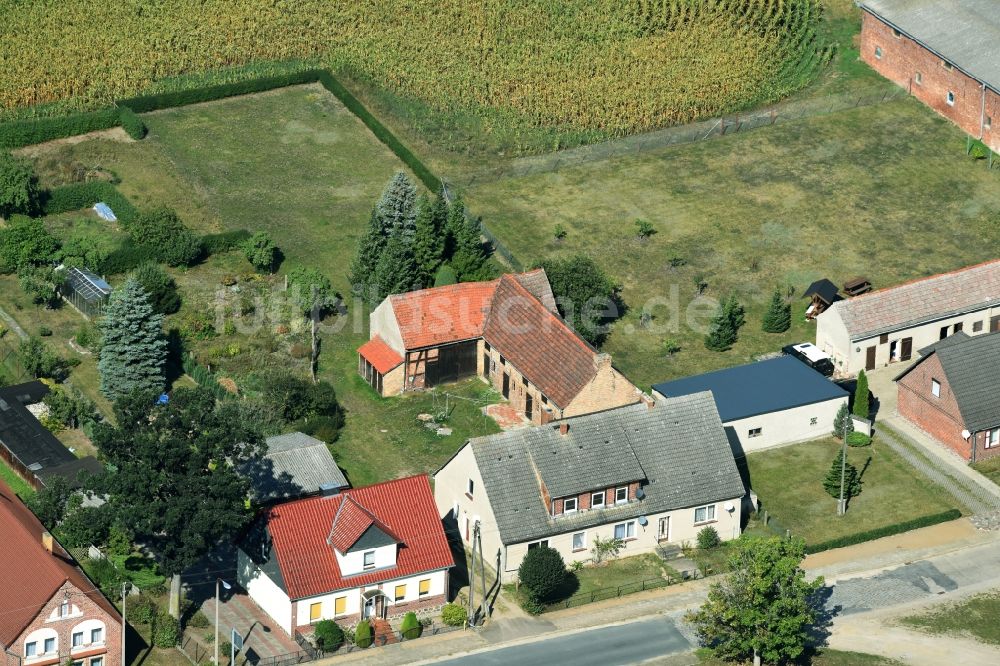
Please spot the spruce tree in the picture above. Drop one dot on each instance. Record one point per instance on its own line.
(396, 272)
(862, 407)
(454, 227)
(778, 317)
(397, 207)
(428, 244)
(736, 315)
(470, 260)
(842, 422)
(370, 247)
(722, 334)
(852, 482)
(134, 348)
(439, 209)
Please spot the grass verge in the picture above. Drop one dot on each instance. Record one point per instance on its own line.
(975, 616)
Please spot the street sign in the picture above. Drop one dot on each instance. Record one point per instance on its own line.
(237, 640)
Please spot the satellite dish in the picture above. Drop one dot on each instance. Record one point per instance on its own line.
(966, 434)
(643, 521)
(640, 493)
(730, 507)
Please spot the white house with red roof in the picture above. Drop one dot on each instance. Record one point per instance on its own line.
(508, 332)
(373, 552)
(50, 612)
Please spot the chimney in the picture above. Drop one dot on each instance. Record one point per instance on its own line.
(563, 428)
(47, 541)
(649, 401)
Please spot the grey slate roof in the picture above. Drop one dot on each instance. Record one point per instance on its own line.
(295, 465)
(921, 301)
(952, 339)
(973, 371)
(679, 446)
(964, 32)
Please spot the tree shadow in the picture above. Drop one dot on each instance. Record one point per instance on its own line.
(569, 587)
(819, 632)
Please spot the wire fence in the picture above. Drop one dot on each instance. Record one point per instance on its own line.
(686, 134)
(613, 592)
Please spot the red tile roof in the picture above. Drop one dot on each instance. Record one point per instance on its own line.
(405, 507)
(29, 574)
(440, 315)
(382, 357)
(538, 343)
(352, 521)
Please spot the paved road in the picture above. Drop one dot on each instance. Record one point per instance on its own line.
(609, 646)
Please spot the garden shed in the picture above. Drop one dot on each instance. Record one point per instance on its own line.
(86, 291)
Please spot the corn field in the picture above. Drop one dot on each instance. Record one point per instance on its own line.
(617, 66)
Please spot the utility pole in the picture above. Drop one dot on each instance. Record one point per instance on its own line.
(482, 570)
(842, 503)
(472, 576)
(314, 358)
(124, 623)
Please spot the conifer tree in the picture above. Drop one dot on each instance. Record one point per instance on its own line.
(862, 407)
(454, 226)
(852, 482)
(725, 325)
(778, 317)
(397, 207)
(428, 244)
(134, 348)
(842, 422)
(470, 260)
(396, 271)
(736, 314)
(439, 209)
(370, 247)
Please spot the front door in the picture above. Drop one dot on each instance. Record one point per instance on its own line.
(906, 349)
(529, 406)
(870, 360)
(369, 609)
(663, 531)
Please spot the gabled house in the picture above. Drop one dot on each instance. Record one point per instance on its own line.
(506, 331)
(886, 326)
(50, 612)
(953, 393)
(372, 552)
(649, 474)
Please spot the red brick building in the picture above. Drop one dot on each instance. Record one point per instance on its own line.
(953, 394)
(50, 612)
(946, 53)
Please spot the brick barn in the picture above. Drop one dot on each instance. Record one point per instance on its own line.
(953, 394)
(946, 53)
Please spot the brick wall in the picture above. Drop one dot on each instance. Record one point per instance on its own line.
(908, 64)
(583, 499)
(110, 652)
(938, 416)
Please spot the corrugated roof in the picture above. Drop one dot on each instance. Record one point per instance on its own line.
(964, 32)
(382, 357)
(758, 388)
(972, 367)
(679, 447)
(22, 552)
(295, 465)
(920, 301)
(299, 532)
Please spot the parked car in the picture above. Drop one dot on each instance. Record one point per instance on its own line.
(812, 356)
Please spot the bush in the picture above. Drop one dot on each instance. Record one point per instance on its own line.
(858, 439)
(77, 196)
(363, 634)
(126, 257)
(410, 627)
(132, 124)
(88, 337)
(85, 526)
(37, 130)
(142, 610)
(198, 620)
(324, 428)
(225, 241)
(530, 603)
(166, 630)
(454, 615)
(18, 185)
(25, 241)
(329, 635)
(45, 331)
(708, 538)
(888, 530)
(261, 252)
(162, 231)
(105, 576)
(542, 571)
(160, 287)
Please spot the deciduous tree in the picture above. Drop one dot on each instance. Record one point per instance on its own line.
(261, 252)
(134, 350)
(18, 186)
(587, 298)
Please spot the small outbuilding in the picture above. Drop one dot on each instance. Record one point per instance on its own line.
(767, 403)
(86, 291)
(823, 294)
(295, 465)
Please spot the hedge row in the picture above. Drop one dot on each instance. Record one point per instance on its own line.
(380, 131)
(888, 530)
(37, 130)
(77, 196)
(169, 100)
(126, 257)
(225, 241)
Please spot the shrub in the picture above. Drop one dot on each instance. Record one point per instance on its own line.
(225, 241)
(261, 252)
(198, 620)
(559, 232)
(77, 196)
(18, 185)
(410, 627)
(25, 241)
(88, 337)
(166, 100)
(445, 276)
(363, 634)
(542, 571)
(85, 526)
(132, 124)
(644, 229)
(978, 151)
(166, 630)
(530, 603)
(44, 331)
(142, 610)
(37, 130)
(708, 538)
(162, 231)
(858, 439)
(105, 575)
(887, 530)
(454, 615)
(329, 635)
(159, 286)
(605, 548)
(126, 257)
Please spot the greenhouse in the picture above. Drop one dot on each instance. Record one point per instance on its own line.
(86, 291)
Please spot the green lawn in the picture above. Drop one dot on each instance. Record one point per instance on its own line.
(831, 196)
(989, 468)
(789, 482)
(976, 616)
(16, 483)
(824, 657)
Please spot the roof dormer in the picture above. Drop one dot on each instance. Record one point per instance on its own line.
(360, 541)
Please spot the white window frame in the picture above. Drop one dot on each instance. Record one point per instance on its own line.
(627, 528)
(55, 645)
(618, 491)
(541, 543)
(707, 517)
(470, 488)
(755, 432)
(99, 631)
(950, 98)
(935, 388)
(566, 502)
(583, 541)
(364, 560)
(73, 640)
(918, 78)
(31, 649)
(601, 495)
(97, 661)
(992, 438)
(663, 534)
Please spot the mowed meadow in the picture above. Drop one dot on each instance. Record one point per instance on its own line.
(605, 66)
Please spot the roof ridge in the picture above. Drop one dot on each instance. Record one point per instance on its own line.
(559, 320)
(918, 280)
